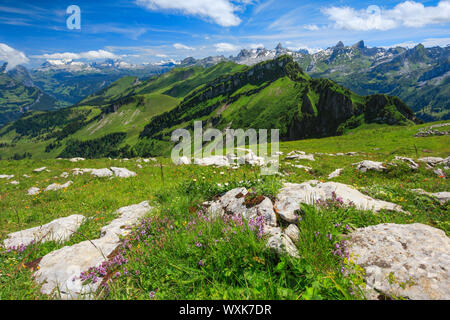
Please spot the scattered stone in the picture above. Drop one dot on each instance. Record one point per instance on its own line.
(26, 176)
(183, 161)
(311, 192)
(60, 269)
(293, 232)
(432, 161)
(59, 230)
(282, 244)
(411, 163)
(123, 172)
(427, 132)
(77, 159)
(439, 172)
(14, 182)
(335, 173)
(442, 197)
(367, 165)
(57, 186)
(64, 175)
(33, 191)
(300, 155)
(414, 255)
(102, 173)
(299, 166)
(6, 176)
(219, 161)
(40, 169)
(78, 171)
(234, 202)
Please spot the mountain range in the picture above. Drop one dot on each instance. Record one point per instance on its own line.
(419, 76)
(62, 83)
(133, 117)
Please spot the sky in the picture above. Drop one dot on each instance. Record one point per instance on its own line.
(141, 31)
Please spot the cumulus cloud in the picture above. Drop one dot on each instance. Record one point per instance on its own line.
(221, 12)
(180, 46)
(406, 14)
(12, 56)
(225, 47)
(256, 46)
(89, 55)
(312, 27)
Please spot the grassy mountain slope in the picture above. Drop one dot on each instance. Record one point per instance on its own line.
(16, 98)
(135, 117)
(419, 76)
(126, 106)
(278, 94)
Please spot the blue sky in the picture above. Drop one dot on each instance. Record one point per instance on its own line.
(152, 30)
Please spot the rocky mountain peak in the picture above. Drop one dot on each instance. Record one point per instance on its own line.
(359, 45)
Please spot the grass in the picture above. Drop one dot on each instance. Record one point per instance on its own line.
(232, 261)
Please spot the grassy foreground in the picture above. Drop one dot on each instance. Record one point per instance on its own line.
(178, 253)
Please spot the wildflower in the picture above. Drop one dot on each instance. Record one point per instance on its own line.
(152, 294)
(201, 263)
(198, 244)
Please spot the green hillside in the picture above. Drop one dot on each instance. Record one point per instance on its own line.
(137, 118)
(16, 98)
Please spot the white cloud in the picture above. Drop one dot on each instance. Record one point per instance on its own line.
(12, 56)
(256, 46)
(180, 46)
(430, 42)
(89, 55)
(312, 27)
(225, 47)
(221, 12)
(406, 14)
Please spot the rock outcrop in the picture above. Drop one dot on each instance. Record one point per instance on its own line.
(59, 271)
(410, 261)
(289, 198)
(59, 230)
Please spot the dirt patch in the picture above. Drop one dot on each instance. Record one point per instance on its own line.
(252, 200)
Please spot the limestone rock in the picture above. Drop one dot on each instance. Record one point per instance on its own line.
(416, 254)
(6, 176)
(411, 163)
(64, 175)
(78, 171)
(60, 269)
(14, 182)
(335, 173)
(40, 169)
(182, 160)
(292, 232)
(102, 173)
(299, 166)
(123, 172)
(290, 197)
(432, 161)
(57, 186)
(77, 159)
(219, 161)
(282, 244)
(33, 191)
(442, 197)
(59, 230)
(367, 165)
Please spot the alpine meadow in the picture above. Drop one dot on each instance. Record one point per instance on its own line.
(163, 151)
